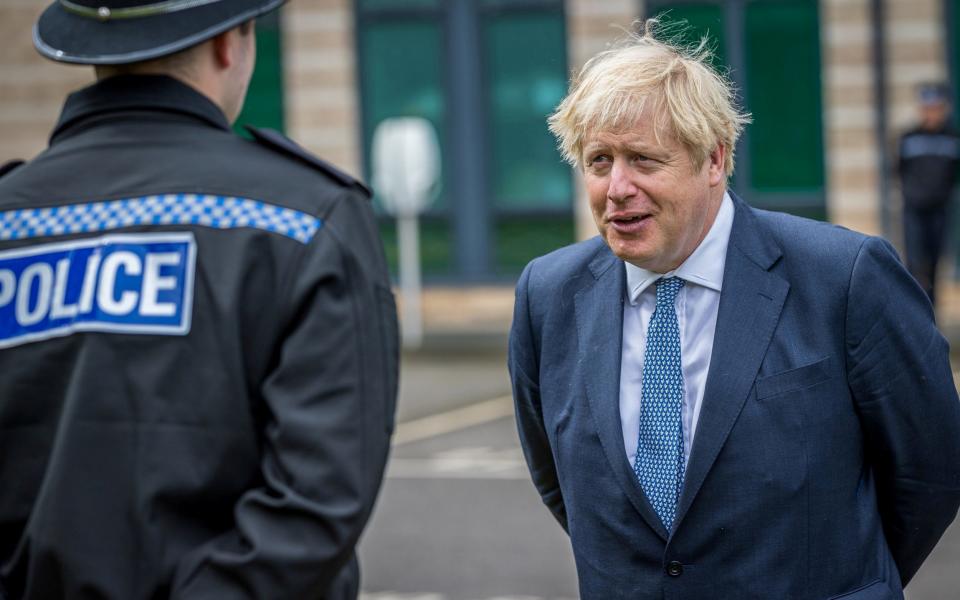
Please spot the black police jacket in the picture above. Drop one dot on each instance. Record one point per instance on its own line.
(927, 165)
(198, 359)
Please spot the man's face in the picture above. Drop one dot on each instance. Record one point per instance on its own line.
(933, 114)
(651, 205)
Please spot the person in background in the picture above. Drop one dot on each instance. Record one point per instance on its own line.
(929, 156)
(716, 401)
(198, 342)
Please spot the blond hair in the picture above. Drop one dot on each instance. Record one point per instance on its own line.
(687, 97)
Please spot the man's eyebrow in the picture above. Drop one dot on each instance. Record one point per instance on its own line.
(637, 147)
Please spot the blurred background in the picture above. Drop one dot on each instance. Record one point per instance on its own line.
(830, 84)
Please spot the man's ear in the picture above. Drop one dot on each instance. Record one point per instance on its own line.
(223, 48)
(717, 171)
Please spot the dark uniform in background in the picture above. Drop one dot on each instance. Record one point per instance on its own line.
(929, 156)
(198, 358)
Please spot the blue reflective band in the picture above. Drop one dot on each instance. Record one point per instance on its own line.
(925, 144)
(115, 283)
(221, 212)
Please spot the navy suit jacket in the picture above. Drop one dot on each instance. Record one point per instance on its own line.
(826, 462)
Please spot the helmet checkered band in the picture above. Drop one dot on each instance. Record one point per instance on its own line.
(219, 212)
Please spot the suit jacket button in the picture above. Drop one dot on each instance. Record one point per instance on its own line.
(674, 569)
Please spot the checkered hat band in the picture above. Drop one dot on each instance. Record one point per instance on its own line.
(219, 212)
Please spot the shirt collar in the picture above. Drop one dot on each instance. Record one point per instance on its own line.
(138, 92)
(704, 267)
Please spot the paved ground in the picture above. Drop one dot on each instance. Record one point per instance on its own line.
(458, 518)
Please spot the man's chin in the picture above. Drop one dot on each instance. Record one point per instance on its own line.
(644, 260)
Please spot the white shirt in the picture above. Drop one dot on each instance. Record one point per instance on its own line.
(697, 304)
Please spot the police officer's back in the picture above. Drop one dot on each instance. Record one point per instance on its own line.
(197, 337)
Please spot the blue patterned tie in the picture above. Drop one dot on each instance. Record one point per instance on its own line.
(660, 464)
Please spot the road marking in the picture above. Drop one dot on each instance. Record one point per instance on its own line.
(453, 420)
(462, 463)
(429, 468)
(427, 596)
(393, 596)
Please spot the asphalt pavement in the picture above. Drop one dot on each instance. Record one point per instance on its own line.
(458, 518)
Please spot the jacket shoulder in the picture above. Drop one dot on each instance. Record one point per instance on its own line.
(803, 229)
(813, 246)
(277, 142)
(9, 166)
(565, 265)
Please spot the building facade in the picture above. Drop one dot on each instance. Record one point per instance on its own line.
(829, 85)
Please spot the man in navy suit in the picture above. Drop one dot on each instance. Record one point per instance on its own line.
(716, 401)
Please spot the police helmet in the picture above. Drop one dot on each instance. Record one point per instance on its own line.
(933, 93)
(113, 32)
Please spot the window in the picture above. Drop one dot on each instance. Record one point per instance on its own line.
(486, 74)
(531, 187)
(695, 20)
(786, 139)
(402, 75)
(771, 49)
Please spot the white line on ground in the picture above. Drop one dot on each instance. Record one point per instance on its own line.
(481, 462)
(453, 420)
(426, 596)
(415, 468)
(393, 596)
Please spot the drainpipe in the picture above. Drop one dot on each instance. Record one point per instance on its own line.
(880, 121)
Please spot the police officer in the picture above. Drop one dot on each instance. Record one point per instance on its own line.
(198, 344)
(929, 156)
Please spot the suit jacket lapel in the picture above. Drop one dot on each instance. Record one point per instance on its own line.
(750, 305)
(599, 314)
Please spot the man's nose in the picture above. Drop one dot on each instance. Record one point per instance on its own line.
(621, 186)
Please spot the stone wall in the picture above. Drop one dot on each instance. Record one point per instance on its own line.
(850, 145)
(322, 104)
(33, 88)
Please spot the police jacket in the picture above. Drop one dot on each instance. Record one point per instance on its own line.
(928, 162)
(198, 359)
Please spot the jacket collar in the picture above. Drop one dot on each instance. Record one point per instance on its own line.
(138, 93)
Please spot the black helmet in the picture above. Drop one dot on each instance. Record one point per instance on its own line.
(112, 32)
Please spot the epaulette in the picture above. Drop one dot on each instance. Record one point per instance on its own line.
(9, 166)
(275, 140)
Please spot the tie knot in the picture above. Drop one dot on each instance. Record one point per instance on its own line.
(667, 290)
